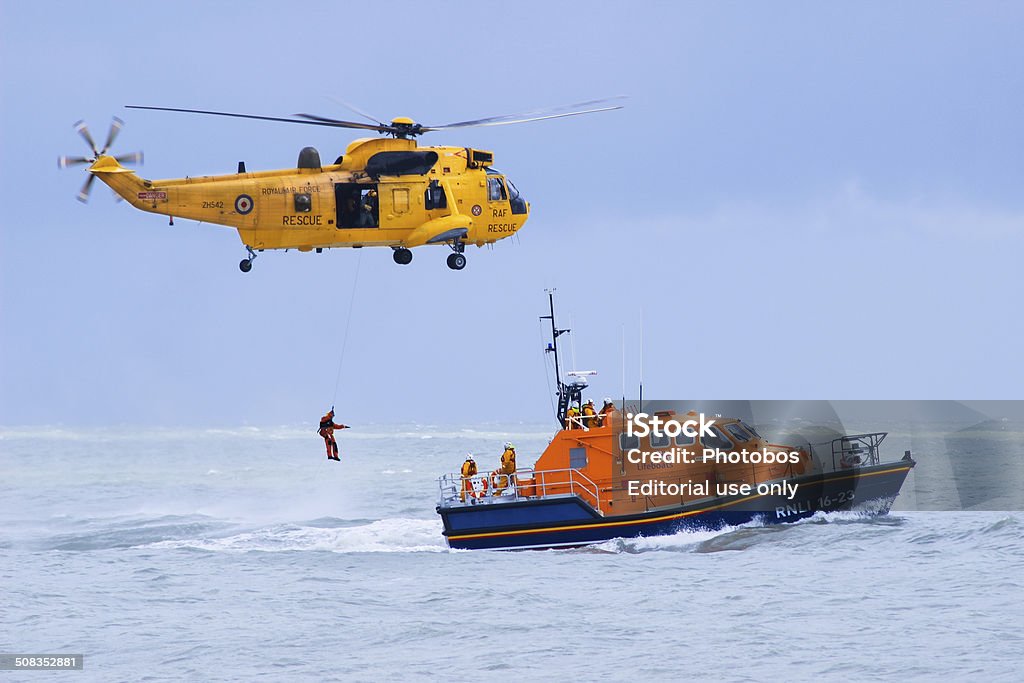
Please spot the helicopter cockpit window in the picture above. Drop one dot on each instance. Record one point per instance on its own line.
(434, 197)
(495, 190)
(303, 203)
(515, 199)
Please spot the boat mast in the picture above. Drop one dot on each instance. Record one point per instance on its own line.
(565, 392)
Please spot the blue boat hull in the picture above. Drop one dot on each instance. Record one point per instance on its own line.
(569, 521)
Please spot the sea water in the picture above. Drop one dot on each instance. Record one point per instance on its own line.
(223, 555)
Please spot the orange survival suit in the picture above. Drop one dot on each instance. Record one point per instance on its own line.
(327, 427)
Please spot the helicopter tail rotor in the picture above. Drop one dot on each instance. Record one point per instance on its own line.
(115, 128)
(83, 130)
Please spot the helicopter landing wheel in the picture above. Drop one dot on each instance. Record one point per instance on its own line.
(402, 256)
(246, 264)
(456, 261)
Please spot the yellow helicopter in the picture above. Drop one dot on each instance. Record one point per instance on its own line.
(382, 192)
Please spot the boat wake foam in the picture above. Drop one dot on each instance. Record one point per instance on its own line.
(686, 541)
(739, 537)
(379, 536)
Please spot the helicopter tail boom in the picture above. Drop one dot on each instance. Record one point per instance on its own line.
(123, 181)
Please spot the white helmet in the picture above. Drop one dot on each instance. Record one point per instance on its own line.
(608, 401)
(509, 446)
(469, 456)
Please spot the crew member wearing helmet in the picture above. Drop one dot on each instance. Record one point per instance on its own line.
(468, 471)
(589, 414)
(327, 427)
(505, 476)
(606, 411)
(571, 417)
(369, 214)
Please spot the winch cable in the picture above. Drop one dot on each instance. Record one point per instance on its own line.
(348, 320)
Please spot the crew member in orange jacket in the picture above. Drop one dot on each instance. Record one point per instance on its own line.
(468, 471)
(327, 427)
(572, 414)
(505, 476)
(589, 414)
(606, 412)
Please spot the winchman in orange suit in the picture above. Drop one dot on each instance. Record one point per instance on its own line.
(468, 471)
(327, 427)
(505, 476)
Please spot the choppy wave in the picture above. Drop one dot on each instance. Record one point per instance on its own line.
(126, 532)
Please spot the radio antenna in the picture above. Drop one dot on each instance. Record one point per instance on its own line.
(623, 345)
(641, 359)
(552, 348)
(572, 343)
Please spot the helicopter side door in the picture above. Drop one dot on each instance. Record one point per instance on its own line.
(357, 205)
(402, 202)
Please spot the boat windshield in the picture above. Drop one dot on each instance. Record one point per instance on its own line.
(737, 430)
(717, 440)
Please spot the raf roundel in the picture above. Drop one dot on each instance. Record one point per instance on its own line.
(476, 210)
(243, 204)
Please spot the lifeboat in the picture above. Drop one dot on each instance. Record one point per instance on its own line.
(627, 473)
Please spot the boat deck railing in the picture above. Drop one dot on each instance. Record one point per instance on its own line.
(583, 422)
(525, 484)
(856, 450)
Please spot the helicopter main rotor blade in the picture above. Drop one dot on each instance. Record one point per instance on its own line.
(526, 120)
(536, 115)
(83, 130)
(355, 109)
(83, 194)
(325, 122)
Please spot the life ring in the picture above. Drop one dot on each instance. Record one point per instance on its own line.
(499, 482)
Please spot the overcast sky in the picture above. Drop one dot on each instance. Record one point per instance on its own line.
(806, 200)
